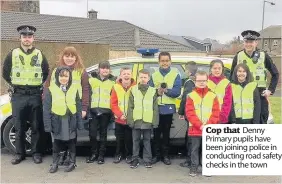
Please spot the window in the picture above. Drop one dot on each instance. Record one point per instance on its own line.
(275, 43)
(115, 69)
(152, 67)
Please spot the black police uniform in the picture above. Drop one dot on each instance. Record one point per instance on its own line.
(26, 105)
(269, 65)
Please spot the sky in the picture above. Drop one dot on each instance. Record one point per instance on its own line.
(216, 19)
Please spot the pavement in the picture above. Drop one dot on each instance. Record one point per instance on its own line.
(28, 172)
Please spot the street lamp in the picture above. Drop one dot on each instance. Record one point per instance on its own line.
(271, 3)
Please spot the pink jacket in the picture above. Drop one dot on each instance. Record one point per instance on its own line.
(227, 100)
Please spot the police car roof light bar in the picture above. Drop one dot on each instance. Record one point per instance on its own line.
(147, 52)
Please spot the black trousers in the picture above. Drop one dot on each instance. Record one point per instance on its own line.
(161, 145)
(99, 122)
(264, 110)
(188, 144)
(196, 158)
(124, 142)
(60, 145)
(28, 108)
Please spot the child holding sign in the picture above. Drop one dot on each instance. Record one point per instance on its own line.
(246, 107)
(202, 107)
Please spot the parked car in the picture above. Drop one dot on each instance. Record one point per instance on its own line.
(178, 128)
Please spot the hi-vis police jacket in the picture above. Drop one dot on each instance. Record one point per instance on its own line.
(262, 64)
(33, 66)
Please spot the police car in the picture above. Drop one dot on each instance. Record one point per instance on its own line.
(147, 61)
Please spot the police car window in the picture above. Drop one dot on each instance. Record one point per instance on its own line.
(115, 69)
(154, 67)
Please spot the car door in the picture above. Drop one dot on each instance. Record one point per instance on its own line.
(178, 127)
(115, 70)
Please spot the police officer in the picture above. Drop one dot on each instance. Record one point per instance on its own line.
(258, 61)
(25, 69)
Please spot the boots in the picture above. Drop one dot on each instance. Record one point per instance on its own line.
(72, 162)
(54, 165)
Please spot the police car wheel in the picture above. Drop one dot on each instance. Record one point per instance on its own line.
(9, 137)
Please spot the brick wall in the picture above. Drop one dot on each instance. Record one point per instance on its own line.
(90, 53)
(21, 6)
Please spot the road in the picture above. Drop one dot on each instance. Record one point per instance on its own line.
(28, 172)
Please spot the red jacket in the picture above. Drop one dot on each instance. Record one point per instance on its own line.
(193, 118)
(227, 100)
(114, 103)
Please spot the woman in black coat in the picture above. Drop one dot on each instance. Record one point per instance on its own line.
(62, 116)
(246, 107)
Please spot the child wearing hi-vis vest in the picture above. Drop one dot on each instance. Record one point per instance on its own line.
(142, 116)
(62, 116)
(119, 103)
(246, 107)
(202, 107)
(101, 84)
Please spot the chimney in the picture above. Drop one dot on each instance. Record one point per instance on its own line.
(92, 14)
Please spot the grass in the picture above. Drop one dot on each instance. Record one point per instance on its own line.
(276, 109)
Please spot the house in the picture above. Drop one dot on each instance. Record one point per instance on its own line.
(206, 45)
(123, 37)
(271, 39)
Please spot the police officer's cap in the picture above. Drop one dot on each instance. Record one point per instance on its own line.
(250, 35)
(26, 30)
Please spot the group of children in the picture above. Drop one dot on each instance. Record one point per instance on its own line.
(213, 99)
(207, 99)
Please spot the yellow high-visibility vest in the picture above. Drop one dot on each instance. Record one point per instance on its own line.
(123, 97)
(203, 106)
(169, 78)
(143, 104)
(243, 99)
(62, 101)
(101, 93)
(219, 89)
(26, 68)
(258, 69)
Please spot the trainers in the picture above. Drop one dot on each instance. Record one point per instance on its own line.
(117, 159)
(193, 172)
(134, 164)
(148, 164)
(101, 160)
(128, 159)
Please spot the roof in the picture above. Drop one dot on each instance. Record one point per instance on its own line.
(179, 39)
(121, 35)
(273, 31)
